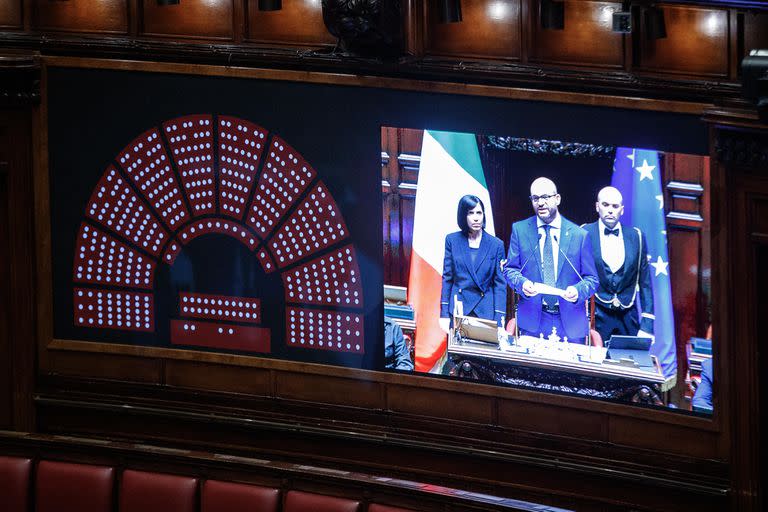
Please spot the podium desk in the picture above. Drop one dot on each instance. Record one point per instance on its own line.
(484, 362)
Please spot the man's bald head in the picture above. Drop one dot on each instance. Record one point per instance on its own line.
(609, 206)
(610, 194)
(543, 185)
(545, 199)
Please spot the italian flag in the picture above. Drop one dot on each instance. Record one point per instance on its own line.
(450, 168)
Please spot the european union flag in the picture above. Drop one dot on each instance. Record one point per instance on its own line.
(637, 175)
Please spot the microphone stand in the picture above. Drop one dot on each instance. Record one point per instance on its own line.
(578, 274)
(530, 255)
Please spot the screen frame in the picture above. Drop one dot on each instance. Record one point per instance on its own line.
(705, 430)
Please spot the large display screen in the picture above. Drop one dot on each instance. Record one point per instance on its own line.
(244, 216)
(553, 265)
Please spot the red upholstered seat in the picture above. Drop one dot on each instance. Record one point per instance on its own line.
(298, 501)
(375, 507)
(14, 483)
(155, 492)
(232, 497)
(65, 487)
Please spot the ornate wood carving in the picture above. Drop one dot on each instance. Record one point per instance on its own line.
(623, 390)
(275, 55)
(552, 147)
(742, 148)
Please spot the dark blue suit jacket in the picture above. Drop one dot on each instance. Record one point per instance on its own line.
(479, 287)
(702, 398)
(524, 263)
(636, 272)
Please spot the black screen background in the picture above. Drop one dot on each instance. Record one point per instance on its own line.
(93, 114)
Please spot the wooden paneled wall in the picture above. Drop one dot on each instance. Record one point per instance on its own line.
(101, 16)
(299, 22)
(400, 157)
(696, 43)
(586, 38)
(16, 281)
(687, 196)
(10, 15)
(198, 19)
(705, 41)
(487, 30)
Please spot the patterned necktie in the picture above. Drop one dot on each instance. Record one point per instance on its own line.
(547, 261)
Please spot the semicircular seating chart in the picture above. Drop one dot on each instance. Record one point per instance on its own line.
(202, 174)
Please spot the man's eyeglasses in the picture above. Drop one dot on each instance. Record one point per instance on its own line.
(545, 197)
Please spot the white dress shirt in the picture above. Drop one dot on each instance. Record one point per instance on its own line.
(554, 232)
(612, 247)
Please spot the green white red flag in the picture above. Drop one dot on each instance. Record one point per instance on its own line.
(450, 168)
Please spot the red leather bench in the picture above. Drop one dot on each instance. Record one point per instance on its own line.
(298, 501)
(14, 483)
(68, 487)
(65, 487)
(231, 497)
(155, 492)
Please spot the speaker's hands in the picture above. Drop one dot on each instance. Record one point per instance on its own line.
(529, 289)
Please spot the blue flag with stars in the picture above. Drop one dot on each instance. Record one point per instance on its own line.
(637, 175)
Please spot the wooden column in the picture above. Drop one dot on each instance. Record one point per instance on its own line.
(740, 180)
(19, 95)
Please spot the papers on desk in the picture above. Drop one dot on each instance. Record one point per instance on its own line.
(478, 322)
(475, 329)
(548, 290)
(557, 350)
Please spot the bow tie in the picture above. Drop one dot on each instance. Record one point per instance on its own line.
(611, 231)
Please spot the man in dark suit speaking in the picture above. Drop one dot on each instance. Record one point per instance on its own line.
(621, 257)
(549, 253)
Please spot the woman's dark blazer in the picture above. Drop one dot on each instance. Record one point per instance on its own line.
(480, 287)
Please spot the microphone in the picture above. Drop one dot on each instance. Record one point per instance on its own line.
(554, 237)
(530, 255)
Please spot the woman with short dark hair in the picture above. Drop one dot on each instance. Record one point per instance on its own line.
(471, 268)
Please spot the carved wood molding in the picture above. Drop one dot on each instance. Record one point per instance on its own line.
(551, 147)
(742, 148)
(485, 72)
